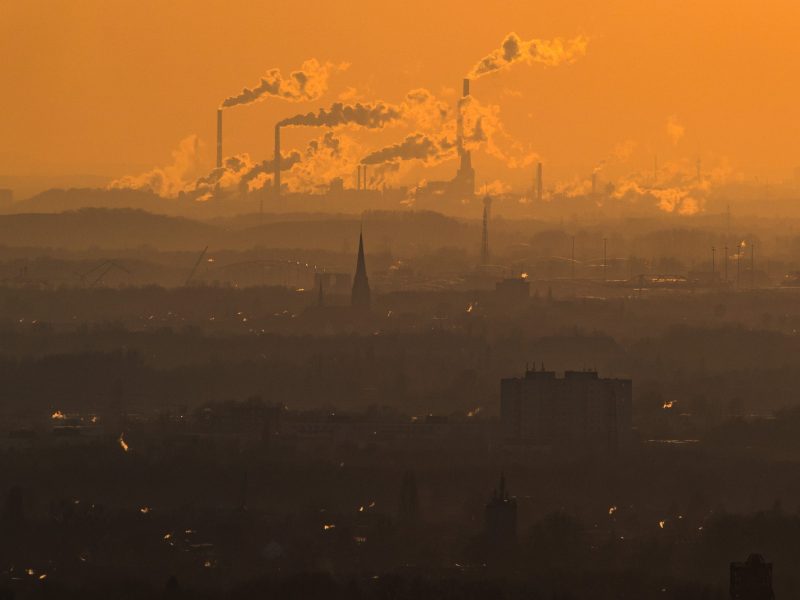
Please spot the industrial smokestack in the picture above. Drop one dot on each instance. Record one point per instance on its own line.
(277, 180)
(358, 185)
(219, 138)
(365, 178)
(539, 182)
(460, 119)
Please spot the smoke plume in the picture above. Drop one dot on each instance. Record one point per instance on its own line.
(514, 50)
(307, 84)
(434, 139)
(371, 116)
(675, 130)
(169, 180)
(416, 146)
(238, 174)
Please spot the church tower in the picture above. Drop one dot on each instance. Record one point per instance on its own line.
(360, 298)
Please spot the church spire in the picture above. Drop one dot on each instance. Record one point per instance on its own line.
(360, 298)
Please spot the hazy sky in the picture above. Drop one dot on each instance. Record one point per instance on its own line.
(112, 87)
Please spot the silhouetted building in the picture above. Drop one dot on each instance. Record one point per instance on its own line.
(580, 411)
(752, 579)
(501, 519)
(360, 298)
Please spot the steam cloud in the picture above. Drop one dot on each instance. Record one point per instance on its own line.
(417, 146)
(675, 131)
(435, 139)
(371, 116)
(307, 84)
(238, 174)
(514, 50)
(171, 179)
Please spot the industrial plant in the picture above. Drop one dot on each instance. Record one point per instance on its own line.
(429, 309)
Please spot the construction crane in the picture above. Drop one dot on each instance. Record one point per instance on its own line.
(196, 264)
(103, 268)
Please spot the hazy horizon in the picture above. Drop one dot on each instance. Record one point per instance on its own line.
(615, 87)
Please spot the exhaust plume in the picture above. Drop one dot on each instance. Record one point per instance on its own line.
(237, 174)
(307, 84)
(514, 50)
(416, 146)
(371, 116)
(171, 179)
(675, 131)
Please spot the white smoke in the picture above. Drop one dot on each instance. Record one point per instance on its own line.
(306, 84)
(514, 50)
(171, 179)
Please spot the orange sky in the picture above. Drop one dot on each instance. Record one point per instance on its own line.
(111, 88)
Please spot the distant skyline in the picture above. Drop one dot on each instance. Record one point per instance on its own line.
(112, 89)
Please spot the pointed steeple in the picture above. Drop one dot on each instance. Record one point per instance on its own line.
(360, 297)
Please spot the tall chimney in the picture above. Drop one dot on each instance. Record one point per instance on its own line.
(366, 185)
(460, 120)
(358, 186)
(277, 160)
(219, 138)
(539, 182)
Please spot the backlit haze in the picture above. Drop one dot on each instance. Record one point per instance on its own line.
(99, 94)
